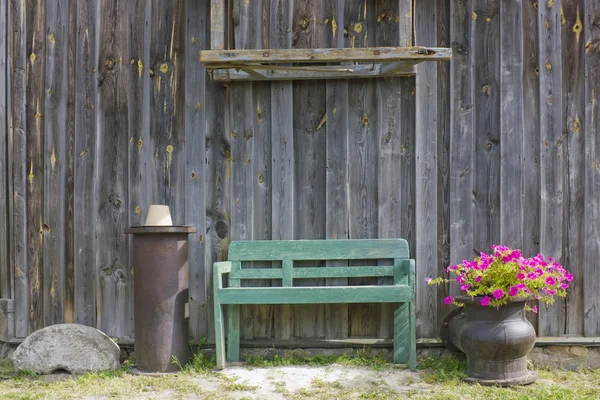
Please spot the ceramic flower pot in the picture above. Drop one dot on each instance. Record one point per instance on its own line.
(495, 340)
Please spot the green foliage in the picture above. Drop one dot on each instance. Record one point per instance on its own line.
(443, 370)
(360, 358)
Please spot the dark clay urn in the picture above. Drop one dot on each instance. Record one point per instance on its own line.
(496, 341)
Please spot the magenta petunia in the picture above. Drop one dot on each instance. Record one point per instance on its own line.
(534, 309)
(478, 279)
(498, 293)
(464, 288)
(514, 290)
(485, 301)
(564, 285)
(550, 281)
(448, 300)
(568, 277)
(428, 280)
(521, 276)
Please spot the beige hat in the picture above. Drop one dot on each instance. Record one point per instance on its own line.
(159, 215)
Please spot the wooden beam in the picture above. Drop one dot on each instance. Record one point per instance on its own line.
(255, 74)
(282, 56)
(398, 67)
(217, 24)
(313, 73)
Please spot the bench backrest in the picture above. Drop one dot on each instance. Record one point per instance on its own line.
(288, 251)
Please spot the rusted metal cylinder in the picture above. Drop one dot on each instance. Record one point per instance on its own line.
(161, 329)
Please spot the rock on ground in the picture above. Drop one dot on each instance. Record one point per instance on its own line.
(77, 349)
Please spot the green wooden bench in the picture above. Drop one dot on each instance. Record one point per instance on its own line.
(401, 292)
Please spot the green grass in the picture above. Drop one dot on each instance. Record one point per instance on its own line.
(361, 358)
(438, 378)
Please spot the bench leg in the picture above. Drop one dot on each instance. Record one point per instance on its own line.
(219, 335)
(233, 333)
(413, 336)
(401, 333)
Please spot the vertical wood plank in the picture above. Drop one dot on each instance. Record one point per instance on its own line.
(573, 75)
(551, 319)
(5, 275)
(217, 24)
(363, 163)
(511, 123)
(55, 109)
(461, 134)
(309, 158)
(139, 150)
(486, 128)
(591, 308)
(282, 143)
(261, 161)
(531, 137)
(166, 118)
(36, 49)
(426, 144)
(196, 38)
(70, 156)
(443, 157)
(337, 195)
(396, 141)
(85, 203)
(112, 262)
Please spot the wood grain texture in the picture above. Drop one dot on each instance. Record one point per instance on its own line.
(426, 147)
(70, 156)
(5, 272)
(261, 160)
(443, 157)
(309, 158)
(55, 152)
(531, 137)
(573, 75)
(337, 194)
(85, 203)
(363, 158)
(552, 149)
(35, 21)
(196, 37)
(486, 128)
(591, 308)
(511, 123)
(461, 136)
(113, 289)
(282, 147)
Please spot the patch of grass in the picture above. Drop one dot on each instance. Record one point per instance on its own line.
(445, 370)
(361, 358)
(240, 387)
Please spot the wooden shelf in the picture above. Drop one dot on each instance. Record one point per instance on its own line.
(290, 64)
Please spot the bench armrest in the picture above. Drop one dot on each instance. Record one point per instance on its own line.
(219, 269)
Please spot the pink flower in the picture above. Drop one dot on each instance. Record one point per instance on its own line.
(478, 279)
(534, 309)
(568, 277)
(485, 301)
(464, 288)
(513, 291)
(532, 276)
(428, 280)
(550, 281)
(521, 276)
(498, 293)
(550, 292)
(564, 285)
(448, 300)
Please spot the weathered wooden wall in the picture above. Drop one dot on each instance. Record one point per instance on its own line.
(105, 109)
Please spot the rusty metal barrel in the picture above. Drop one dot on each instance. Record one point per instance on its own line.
(161, 320)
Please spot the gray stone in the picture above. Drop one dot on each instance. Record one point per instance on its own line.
(77, 349)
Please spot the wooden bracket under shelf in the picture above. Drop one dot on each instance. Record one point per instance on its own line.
(290, 64)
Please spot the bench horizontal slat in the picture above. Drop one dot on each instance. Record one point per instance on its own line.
(272, 250)
(315, 272)
(316, 295)
(343, 272)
